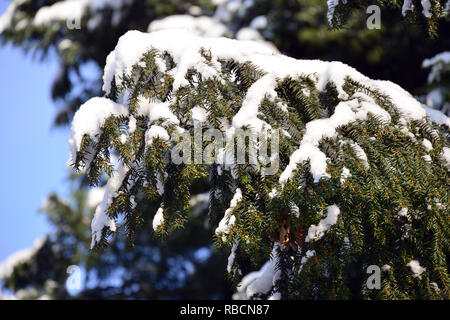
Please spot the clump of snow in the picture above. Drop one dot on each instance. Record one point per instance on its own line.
(446, 156)
(437, 98)
(427, 158)
(360, 154)
(403, 212)
(4, 296)
(407, 6)
(59, 11)
(260, 22)
(248, 114)
(274, 193)
(158, 219)
(156, 110)
(65, 44)
(345, 112)
(427, 144)
(227, 9)
(308, 255)
(132, 124)
(218, 2)
(195, 10)
(386, 267)
(201, 26)
(244, 283)
(347, 243)
(133, 202)
(160, 182)
(95, 196)
(275, 296)
(345, 174)
(247, 33)
(201, 198)
(438, 64)
(435, 286)
(403, 100)
(232, 257)
(211, 27)
(295, 210)
(154, 132)
(315, 131)
(89, 119)
(317, 232)
(74, 10)
(101, 218)
(199, 114)
(266, 278)
(229, 219)
(19, 257)
(446, 9)
(260, 282)
(437, 117)
(123, 138)
(367, 105)
(416, 268)
(184, 49)
(426, 5)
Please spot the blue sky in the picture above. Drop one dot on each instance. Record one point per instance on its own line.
(33, 154)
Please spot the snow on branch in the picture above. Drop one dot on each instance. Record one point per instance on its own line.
(335, 124)
(65, 11)
(185, 51)
(19, 257)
